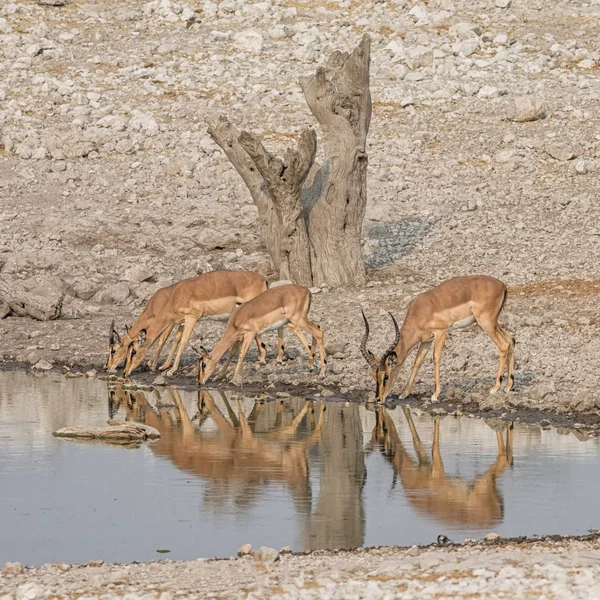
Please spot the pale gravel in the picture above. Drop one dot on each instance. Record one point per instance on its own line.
(554, 570)
(107, 174)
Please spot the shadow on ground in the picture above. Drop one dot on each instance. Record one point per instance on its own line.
(388, 242)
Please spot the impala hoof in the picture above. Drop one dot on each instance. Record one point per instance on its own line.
(170, 373)
(494, 390)
(237, 381)
(434, 398)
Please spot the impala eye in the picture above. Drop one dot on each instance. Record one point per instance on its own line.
(112, 350)
(133, 353)
(386, 377)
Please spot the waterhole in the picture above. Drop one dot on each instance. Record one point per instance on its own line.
(232, 469)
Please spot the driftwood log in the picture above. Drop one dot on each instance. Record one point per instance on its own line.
(117, 432)
(313, 232)
(14, 300)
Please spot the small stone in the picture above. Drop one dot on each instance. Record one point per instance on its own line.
(285, 550)
(91, 373)
(492, 537)
(29, 591)
(138, 273)
(560, 151)
(526, 108)
(55, 346)
(503, 3)
(545, 424)
(265, 555)
(580, 167)
(43, 365)
(244, 550)
(94, 562)
(160, 380)
(251, 40)
(14, 568)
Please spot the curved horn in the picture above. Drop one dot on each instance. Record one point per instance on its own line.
(111, 334)
(363, 345)
(396, 340)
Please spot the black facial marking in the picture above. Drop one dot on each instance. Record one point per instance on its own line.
(263, 345)
(325, 361)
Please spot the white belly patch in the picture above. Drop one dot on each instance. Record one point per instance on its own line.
(277, 325)
(224, 317)
(464, 323)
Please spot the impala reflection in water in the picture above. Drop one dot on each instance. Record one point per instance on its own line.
(230, 469)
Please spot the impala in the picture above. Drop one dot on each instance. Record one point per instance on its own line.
(117, 348)
(454, 304)
(211, 295)
(279, 306)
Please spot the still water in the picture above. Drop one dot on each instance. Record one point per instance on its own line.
(231, 469)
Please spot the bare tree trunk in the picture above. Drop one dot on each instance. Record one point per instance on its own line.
(284, 179)
(339, 98)
(23, 304)
(314, 235)
(227, 136)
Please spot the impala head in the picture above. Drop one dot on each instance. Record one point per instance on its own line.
(203, 358)
(136, 350)
(383, 368)
(117, 349)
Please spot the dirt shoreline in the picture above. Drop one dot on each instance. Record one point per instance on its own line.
(556, 566)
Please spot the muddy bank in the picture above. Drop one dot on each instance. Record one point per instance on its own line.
(555, 567)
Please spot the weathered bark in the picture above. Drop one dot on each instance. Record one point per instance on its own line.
(338, 96)
(24, 304)
(284, 179)
(227, 137)
(313, 235)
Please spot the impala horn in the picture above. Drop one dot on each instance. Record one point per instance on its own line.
(393, 346)
(363, 345)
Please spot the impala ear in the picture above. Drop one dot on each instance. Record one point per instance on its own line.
(391, 360)
(201, 352)
(142, 337)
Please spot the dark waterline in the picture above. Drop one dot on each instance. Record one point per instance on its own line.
(231, 469)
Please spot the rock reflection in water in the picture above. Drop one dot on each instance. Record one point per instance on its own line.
(449, 500)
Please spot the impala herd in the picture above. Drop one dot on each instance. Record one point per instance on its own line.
(251, 307)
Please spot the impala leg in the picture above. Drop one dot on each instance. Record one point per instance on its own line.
(174, 345)
(164, 336)
(262, 350)
(188, 328)
(237, 379)
(318, 335)
(498, 338)
(232, 351)
(280, 346)
(421, 353)
(438, 346)
(298, 333)
(510, 380)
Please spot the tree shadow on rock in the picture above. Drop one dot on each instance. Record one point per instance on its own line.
(388, 242)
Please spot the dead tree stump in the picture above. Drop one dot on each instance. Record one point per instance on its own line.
(314, 240)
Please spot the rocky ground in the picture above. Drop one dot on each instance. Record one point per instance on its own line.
(110, 186)
(559, 569)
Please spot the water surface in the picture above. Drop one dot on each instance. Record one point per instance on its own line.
(231, 469)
